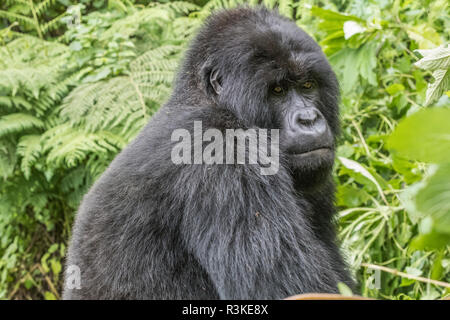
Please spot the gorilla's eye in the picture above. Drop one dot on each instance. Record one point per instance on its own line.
(278, 90)
(308, 85)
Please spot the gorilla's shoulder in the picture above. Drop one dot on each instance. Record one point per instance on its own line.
(150, 151)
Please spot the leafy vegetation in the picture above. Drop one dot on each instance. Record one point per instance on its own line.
(79, 79)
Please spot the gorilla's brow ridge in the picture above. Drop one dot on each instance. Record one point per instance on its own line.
(309, 65)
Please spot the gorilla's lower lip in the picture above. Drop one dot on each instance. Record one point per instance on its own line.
(316, 152)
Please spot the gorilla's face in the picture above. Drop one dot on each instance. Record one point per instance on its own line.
(306, 139)
(291, 88)
(270, 74)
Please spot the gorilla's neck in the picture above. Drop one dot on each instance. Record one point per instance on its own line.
(321, 196)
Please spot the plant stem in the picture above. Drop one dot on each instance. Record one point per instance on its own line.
(405, 275)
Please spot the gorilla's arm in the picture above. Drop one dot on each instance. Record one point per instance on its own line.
(250, 235)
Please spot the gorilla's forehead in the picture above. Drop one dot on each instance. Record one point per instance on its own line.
(284, 55)
(258, 27)
(262, 37)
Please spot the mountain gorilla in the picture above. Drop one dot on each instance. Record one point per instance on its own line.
(153, 229)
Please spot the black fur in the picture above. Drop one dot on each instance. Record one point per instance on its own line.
(149, 229)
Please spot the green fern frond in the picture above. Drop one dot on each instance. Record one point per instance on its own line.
(222, 4)
(43, 6)
(28, 49)
(179, 7)
(59, 90)
(52, 24)
(8, 158)
(97, 165)
(130, 24)
(110, 104)
(15, 102)
(31, 68)
(150, 60)
(73, 180)
(120, 5)
(69, 147)
(157, 76)
(29, 148)
(17, 122)
(286, 7)
(40, 201)
(155, 93)
(34, 15)
(17, 17)
(97, 106)
(184, 28)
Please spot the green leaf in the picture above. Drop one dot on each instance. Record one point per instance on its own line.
(395, 88)
(407, 282)
(360, 169)
(345, 150)
(351, 28)
(408, 169)
(434, 199)
(53, 248)
(350, 196)
(344, 289)
(441, 83)
(44, 264)
(425, 36)
(424, 136)
(329, 15)
(438, 61)
(28, 284)
(49, 296)
(56, 266)
(437, 269)
(430, 241)
(413, 271)
(437, 58)
(76, 46)
(407, 198)
(351, 63)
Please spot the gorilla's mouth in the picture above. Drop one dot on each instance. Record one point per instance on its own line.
(318, 152)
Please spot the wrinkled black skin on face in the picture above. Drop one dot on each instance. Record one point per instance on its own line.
(149, 229)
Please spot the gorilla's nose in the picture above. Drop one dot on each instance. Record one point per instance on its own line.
(308, 121)
(308, 130)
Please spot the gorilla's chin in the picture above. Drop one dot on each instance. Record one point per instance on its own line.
(311, 168)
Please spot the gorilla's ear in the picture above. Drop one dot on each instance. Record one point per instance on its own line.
(215, 81)
(211, 78)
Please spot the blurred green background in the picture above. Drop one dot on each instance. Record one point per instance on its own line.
(79, 79)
